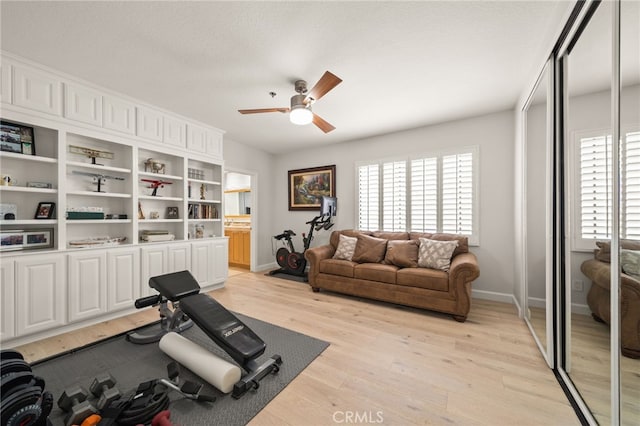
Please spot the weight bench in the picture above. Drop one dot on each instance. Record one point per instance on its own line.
(223, 327)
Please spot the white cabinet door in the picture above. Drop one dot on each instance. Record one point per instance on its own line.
(149, 124)
(179, 257)
(175, 132)
(119, 115)
(202, 263)
(36, 90)
(153, 261)
(214, 144)
(196, 138)
(123, 278)
(87, 285)
(5, 81)
(82, 104)
(220, 260)
(7, 292)
(40, 293)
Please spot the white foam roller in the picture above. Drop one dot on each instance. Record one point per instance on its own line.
(210, 367)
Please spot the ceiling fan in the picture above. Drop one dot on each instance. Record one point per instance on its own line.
(300, 111)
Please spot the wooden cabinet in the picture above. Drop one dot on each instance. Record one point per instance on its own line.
(87, 284)
(8, 301)
(149, 124)
(82, 104)
(119, 115)
(220, 271)
(175, 132)
(209, 261)
(153, 261)
(5, 82)
(123, 278)
(239, 247)
(179, 257)
(40, 293)
(36, 90)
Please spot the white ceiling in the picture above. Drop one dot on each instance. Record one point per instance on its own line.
(403, 64)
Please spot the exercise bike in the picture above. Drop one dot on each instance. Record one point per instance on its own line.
(290, 261)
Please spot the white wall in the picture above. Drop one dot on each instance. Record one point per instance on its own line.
(493, 133)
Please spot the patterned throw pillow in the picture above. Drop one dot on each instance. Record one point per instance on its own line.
(346, 247)
(436, 254)
(630, 262)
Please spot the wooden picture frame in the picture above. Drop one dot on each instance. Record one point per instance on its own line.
(17, 138)
(45, 210)
(173, 213)
(306, 186)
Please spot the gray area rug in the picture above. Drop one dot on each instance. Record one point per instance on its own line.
(132, 364)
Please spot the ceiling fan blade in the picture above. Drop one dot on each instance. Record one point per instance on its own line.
(327, 82)
(257, 111)
(322, 124)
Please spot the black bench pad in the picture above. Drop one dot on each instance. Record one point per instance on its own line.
(176, 285)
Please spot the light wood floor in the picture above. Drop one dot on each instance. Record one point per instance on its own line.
(386, 364)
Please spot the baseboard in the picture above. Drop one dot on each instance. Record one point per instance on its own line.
(580, 309)
(492, 295)
(267, 267)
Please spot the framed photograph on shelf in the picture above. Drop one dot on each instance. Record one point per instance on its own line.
(173, 213)
(306, 186)
(17, 138)
(45, 210)
(18, 239)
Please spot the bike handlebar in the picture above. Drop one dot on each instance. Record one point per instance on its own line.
(286, 234)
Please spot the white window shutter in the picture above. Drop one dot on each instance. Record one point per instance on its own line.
(368, 197)
(630, 200)
(424, 195)
(595, 187)
(394, 196)
(457, 193)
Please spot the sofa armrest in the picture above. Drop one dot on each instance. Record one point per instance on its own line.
(464, 267)
(314, 256)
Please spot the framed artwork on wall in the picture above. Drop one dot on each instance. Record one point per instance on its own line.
(17, 138)
(307, 186)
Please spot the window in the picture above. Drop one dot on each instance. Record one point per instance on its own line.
(594, 176)
(431, 193)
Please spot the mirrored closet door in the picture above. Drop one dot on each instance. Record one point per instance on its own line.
(537, 213)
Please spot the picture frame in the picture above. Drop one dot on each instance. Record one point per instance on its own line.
(17, 138)
(21, 239)
(45, 210)
(306, 186)
(40, 185)
(173, 213)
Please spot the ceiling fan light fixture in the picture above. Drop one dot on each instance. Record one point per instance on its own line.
(301, 115)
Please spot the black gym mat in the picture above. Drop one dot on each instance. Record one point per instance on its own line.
(132, 364)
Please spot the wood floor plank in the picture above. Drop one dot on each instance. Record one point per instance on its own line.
(406, 365)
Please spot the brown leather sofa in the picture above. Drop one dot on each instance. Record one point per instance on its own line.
(438, 290)
(598, 270)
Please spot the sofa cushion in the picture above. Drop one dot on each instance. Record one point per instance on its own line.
(391, 235)
(369, 249)
(431, 279)
(344, 268)
(630, 262)
(436, 254)
(375, 272)
(603, 253)
(334, 239)
(402, 253)
(346, 247)
(463, 242)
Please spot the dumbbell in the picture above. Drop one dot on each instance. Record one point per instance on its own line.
(74, 401)
(103, 387)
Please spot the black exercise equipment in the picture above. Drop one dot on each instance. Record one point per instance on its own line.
(74, 401)
(104, 388)
(24, 400)
(224, 328)
(190, 390)
(292, 262)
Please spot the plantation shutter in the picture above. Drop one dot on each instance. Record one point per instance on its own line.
(630, 203)
(424, 195)
(394, 196)
(595, 187)
(457, 193)
(368, 197)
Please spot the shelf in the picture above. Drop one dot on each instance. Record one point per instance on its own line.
(29, 222)
(194, 201)
(205, 220)
(24, 157)
(97, 167)
(207, 182)
(95, 221)
(99, 194)
(158, 198)
(28, 189)
(159, 220)
(157, 176)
